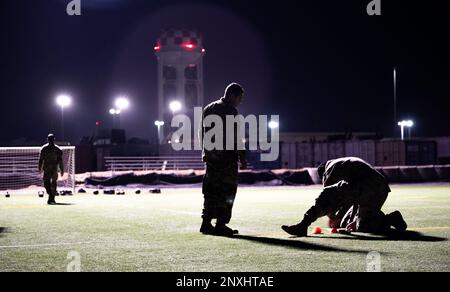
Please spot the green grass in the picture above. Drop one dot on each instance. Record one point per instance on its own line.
(150, 232)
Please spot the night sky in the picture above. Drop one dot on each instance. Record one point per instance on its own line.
(321, 65)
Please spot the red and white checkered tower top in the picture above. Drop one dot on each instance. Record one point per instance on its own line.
(180, 40)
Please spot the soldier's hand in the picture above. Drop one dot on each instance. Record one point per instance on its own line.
(351, 227)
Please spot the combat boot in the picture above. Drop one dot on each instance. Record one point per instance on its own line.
(207, 227)
(51, 200)
(396, 219)
(223, 230)
(300, 230)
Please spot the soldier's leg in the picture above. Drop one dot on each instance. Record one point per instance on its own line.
(396, 220)
(211, 192)
(48, 183)
(225, 209)
(370, 218)
(228, 190)
(53, 186)
(331, 200)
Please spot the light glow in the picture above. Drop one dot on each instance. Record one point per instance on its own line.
(122, 103)
(175, 106)
(273, 125)
(63, 100)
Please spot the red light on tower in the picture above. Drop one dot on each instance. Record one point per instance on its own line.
(97, 124)
(189, 46)
(157, 48)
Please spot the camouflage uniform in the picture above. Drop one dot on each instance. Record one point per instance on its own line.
(354, 193)
(221, 178)
(49, 161)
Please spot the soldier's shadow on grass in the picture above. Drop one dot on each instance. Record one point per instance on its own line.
(391, 236)
(296, 244)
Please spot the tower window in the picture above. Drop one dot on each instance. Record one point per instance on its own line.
(191, 72)
(169, 73)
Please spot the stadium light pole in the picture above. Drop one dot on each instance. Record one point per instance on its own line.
(122, 103)
(159, 124)
(395, 94)
(408, 124)
(114, 112)
(63, 101)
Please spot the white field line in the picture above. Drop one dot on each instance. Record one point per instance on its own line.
(57, 244)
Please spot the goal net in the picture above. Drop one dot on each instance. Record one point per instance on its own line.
(19, 169)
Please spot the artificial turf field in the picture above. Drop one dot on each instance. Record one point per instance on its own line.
(159, 232)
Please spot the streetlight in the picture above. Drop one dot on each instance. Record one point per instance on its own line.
(274, 125)
(114, 112)
(159, 124)
(122, 103)
(63, 101)
(175, 106)
(402, 124)
(395, 94)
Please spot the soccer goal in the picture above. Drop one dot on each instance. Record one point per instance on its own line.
(19, 169)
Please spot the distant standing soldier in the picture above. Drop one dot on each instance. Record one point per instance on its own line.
(49, 161)
(353, 196)
(221, 178)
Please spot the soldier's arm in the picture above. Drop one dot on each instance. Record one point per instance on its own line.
(201, 130)
(238, 142)
(41, 160)
(201, 134)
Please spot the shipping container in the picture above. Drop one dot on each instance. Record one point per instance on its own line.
(305, 155)
(443, 150)
(320, 153)
(361, 149)
(336, 150)
(421, 152)
(390, 153)
(288, 155)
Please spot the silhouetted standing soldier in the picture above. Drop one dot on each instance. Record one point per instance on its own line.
(221, 178)
(51, 157)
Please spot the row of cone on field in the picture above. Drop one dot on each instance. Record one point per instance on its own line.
(41, 194)
(120, 192)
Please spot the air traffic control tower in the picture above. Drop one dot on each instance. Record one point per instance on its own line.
(180, 74)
